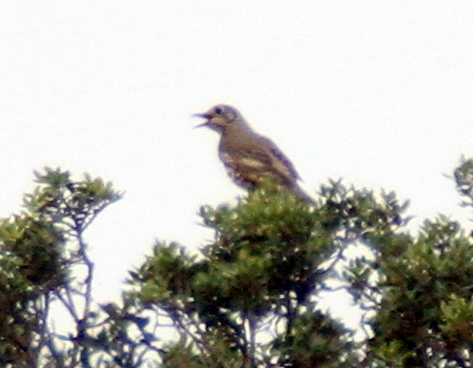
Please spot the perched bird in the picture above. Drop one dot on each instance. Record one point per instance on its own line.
(249, 157)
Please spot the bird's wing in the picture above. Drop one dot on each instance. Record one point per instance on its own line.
(249, 162)
(281, 163)
(244, 167)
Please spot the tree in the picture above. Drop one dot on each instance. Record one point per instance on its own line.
(250, 297)
(43, 259)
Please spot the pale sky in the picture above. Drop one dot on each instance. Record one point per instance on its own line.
(377, 92)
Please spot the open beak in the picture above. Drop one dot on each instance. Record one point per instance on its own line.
(205, 116)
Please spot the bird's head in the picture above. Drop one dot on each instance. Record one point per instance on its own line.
(219, 117)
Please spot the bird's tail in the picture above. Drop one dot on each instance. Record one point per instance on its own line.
(302, 194)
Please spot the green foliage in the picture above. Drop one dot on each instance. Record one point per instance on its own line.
(420, 293)
(250, 298)
(30, 266)
(37, 250)
(415, 287)
(257, 279)
(315, 341)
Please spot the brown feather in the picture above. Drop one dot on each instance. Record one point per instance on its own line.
(247, 156)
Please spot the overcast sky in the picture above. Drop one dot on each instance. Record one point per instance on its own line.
(377, 92)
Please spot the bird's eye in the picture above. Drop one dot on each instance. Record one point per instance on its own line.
(219, 109)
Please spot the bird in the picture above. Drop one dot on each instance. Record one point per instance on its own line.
(250, 158)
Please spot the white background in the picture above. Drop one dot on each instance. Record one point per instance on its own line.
(377, 92)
